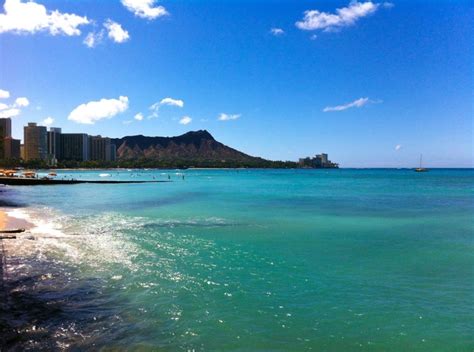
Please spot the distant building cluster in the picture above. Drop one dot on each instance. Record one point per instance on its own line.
(53, 145)
(319, 161)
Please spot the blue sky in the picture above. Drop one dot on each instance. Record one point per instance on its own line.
(373, 84)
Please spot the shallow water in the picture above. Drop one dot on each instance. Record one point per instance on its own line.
(281, 260)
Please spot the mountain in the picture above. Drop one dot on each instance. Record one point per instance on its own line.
(196, 148)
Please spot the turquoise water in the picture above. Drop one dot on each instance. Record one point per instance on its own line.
(249, 260)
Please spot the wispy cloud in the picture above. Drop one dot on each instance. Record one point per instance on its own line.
(12, 112)
(228, 117)
(345, 16)
(116, 32)
(30, 17)
(358, 103)
(93, 39)
(277, 32)
(185, 120)
(93, 111)
(172, 102)
(138, 117)
(165, 101)
(145, 8)
(398, 147)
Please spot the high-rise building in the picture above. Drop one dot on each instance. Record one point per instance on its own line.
(319, 161)
(113, 152)
(74, 147)
(324, 158)
(5, 128)
(36, 142)
(5, 132)
(54, 143)
(11, 148)
(99, 148)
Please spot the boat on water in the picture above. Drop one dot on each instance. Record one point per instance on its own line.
(421, 168)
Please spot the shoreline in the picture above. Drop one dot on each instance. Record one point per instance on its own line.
(8, 222)
(21, 181)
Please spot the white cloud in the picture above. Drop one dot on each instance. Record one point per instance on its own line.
(138, 117)
(116, 32)
(9, 113)
(155, 108)
(93, 39)
(172, 102)
(355, 104)
(277, 31)
(93, 111)
(314, 37)
(398, 147)
(388, 5)
(4, 94)
(48, 121)
(166, 101)
(345, 16)
(22, 102)
(29, 17)
(145, 8)
(228, 117)
(185, 120)
(13, 109)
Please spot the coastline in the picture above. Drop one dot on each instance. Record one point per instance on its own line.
(8, 222)
(11, 301)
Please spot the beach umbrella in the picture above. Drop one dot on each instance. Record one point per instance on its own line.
(10, 172)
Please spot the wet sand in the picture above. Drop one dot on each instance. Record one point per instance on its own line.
(11, 223)
(7, 331)
(8, 223)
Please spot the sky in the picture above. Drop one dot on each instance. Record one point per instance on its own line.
(373, 84)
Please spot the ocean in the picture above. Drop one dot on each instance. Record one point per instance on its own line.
(244, 260)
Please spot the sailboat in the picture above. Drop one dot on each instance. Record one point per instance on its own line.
(421, 169)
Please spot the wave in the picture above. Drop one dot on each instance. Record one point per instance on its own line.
(99, 240)
(193, 222)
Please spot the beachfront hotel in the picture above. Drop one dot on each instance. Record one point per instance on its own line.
(36, 142)
(9, 147)
(101, 149)
(318, 161)
(53, 145)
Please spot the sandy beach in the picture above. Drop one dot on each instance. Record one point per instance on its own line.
(11, 223)
(3, 220)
